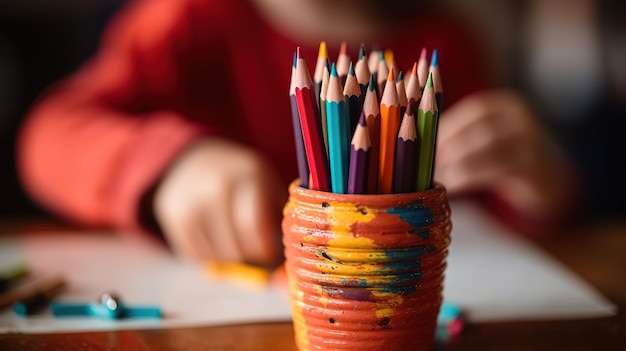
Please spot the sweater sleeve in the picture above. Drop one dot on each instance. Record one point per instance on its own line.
(93, 144)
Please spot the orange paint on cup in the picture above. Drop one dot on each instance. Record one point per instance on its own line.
(365, 272)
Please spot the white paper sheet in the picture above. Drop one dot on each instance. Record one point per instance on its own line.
(524, 284)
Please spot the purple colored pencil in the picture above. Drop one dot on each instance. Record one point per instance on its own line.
(359, 158)
(303, 167)
(406, 151)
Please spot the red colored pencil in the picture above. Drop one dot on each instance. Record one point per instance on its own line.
(311, 126)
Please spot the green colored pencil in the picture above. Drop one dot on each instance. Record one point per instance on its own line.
(427, 119)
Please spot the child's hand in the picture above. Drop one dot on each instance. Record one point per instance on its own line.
(492, 140)
(220, 201)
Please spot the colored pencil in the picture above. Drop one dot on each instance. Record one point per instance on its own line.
(354, 100)
(372, 61)
(362, 70)
(427, 119)
(402, 99)
(359, 158)
(382, 75)
(406, 153)
(391, 61)
(371, 109)
(338, 137)
(323, 91)
(303, 167)
(37, 295)
(422, 68)
(437, 85)
(413, 90)
(311, 126)
(343, 62)
(322, 56)
(389, 124)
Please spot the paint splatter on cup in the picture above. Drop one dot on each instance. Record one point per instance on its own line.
(365, 271)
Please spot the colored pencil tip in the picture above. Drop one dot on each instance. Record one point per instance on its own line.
(362, 51)
(322, 51)
(328, 64)
(372, 85)
(429, 82)
(400, 76)
(351, 70)
(333, 70)
(434, 61)
(410, 110)
(381, 56)
(295, 59)
(390, 76)
(362, 120)
(414, 68)
(423, 54)
(344, 48)
(299, 52)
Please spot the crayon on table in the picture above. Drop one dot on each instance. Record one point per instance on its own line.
(427, 119)
(11, 275)
(29, 289)
(38, 295)
(338, 133)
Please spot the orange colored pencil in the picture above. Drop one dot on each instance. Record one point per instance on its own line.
(389, 125)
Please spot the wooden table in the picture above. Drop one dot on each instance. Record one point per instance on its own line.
(596, 252)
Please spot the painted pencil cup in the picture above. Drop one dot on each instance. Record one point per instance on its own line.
(365, 271)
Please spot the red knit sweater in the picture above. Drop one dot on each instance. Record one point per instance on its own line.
(171, 71)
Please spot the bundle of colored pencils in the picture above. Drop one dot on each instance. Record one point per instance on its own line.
(365, 128)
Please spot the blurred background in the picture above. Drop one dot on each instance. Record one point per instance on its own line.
(567, 56)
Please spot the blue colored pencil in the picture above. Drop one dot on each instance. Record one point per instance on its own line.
(338, 136)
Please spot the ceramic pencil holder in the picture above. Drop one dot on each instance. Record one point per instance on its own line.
(365, 271)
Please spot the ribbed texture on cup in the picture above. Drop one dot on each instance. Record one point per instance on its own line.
(365, 271)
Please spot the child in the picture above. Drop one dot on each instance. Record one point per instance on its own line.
(181, 123)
